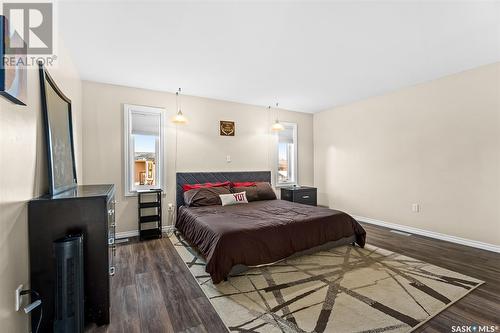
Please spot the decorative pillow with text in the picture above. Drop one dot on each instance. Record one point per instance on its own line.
(233, 198)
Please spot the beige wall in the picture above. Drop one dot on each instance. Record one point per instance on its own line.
(436, 144)
(200, 148)
(23, 175)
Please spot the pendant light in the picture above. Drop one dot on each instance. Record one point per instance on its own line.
(179, 117)
(277, 126)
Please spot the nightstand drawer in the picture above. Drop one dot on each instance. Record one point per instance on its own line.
(310, 202)
(303, 195)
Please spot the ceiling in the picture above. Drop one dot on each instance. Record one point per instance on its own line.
(306, 56)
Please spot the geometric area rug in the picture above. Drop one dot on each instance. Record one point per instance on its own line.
(345, 289)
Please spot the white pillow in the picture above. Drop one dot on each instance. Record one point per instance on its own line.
(233, 198)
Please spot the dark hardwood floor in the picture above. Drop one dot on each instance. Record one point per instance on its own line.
(153, 291)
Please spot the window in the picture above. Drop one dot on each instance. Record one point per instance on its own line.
(287, 155)
(143, 145)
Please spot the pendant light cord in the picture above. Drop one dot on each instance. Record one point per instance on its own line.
(177, 104)
(178, 101)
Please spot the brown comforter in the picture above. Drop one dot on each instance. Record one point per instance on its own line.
(261, 232)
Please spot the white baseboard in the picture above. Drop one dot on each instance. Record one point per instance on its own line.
(134, 233)
(431, 234)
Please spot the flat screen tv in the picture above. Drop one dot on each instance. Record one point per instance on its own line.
(56, 108)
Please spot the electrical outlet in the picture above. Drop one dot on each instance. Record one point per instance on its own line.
(170, 207)
(18, 297)
(415, 208)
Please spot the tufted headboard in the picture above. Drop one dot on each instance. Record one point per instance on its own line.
(213, 177)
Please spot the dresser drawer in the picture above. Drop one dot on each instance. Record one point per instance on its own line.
(111, 235)
(111, 213)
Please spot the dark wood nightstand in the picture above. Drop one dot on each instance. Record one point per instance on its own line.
(300, 194)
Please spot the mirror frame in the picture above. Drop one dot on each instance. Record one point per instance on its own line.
(45, 77)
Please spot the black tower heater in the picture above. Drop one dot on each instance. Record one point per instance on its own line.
(69, 315)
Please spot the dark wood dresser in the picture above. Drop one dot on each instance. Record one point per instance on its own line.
(300, 194)
(87, 210)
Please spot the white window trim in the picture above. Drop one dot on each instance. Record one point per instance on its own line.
(295, 160)
(128, 146)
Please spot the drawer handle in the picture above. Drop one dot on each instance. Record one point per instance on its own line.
(112, 270)
(111, 241)
(305, 197)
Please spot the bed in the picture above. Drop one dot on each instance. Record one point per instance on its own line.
(233, 238)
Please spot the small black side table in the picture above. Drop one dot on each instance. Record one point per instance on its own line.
(300, 194)
(149, 199)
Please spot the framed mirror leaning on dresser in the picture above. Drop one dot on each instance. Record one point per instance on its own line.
(58, 126)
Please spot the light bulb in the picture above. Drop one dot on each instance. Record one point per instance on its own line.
(277, 126)
(179, 118)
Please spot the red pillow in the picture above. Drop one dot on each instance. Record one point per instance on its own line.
(187, 187)
(244, 184)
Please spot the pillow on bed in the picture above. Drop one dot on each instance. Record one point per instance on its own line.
(187, 187)
(260, 191)
(243, 184)
(233, 198)
(252, 193)
(205, 196)
(265, 191)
